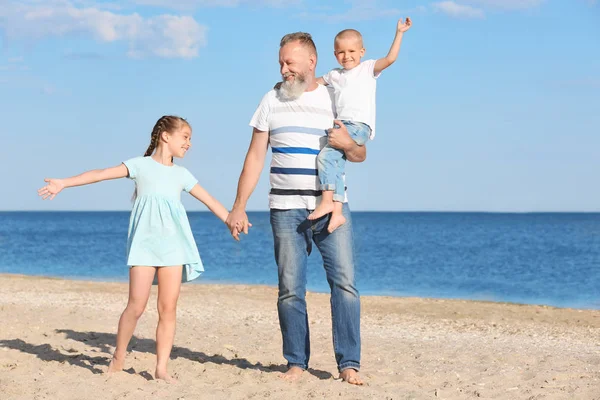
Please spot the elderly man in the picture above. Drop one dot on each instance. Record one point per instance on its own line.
(295, 120)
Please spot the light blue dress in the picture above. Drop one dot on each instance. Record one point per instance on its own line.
(159, 231)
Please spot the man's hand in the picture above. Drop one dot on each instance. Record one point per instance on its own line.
(339, 138)
(237, 222)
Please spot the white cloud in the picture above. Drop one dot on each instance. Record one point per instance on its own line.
(506, 4)
(457, 10)
(163, 36)
(359, 10)
(193, 4)
(352, 15)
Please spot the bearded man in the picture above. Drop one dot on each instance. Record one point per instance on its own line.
(296, 119)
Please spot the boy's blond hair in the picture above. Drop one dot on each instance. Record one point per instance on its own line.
(349, 34)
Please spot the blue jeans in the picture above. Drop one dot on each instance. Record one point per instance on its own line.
(332, 162)
(293, 236)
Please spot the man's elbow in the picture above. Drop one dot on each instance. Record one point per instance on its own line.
(358, 156)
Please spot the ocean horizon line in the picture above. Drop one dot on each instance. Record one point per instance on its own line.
(353, 210)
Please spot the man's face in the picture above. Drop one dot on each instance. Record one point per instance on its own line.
(294, 62)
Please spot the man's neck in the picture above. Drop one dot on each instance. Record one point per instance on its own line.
(312, 85)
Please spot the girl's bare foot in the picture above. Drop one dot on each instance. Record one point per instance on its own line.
(164, 375)
(335, 222)
(351, 376)
(323, 209)
(116, 365)
(292, 374)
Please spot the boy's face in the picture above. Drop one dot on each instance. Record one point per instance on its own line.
(348, 51)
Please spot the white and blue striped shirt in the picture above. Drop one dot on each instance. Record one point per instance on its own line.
(297, 132)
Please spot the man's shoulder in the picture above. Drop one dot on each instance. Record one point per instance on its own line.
(270, 96)
(329, 91)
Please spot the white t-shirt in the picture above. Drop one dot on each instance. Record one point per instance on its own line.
(297, 131)
(355, 93)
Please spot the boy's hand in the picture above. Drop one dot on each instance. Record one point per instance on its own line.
(53, 188)
(404, 26)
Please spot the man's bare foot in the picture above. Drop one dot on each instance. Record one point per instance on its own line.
(351, 376)
(116, 365)
(292, 374)
(323, 209)
(164, 375)
(335, 222)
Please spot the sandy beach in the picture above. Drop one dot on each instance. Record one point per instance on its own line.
(57, 336)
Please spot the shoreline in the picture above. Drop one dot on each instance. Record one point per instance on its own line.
(201, 282)
(58, 336)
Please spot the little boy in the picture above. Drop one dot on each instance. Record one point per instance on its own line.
(354, 87)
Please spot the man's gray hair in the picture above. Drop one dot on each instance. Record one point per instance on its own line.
(304, 38)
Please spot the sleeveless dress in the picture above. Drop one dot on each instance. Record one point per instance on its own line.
(159, 231)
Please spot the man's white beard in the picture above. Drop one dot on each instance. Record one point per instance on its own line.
(291, 90)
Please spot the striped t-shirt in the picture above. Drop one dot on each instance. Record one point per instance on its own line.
(297, 132)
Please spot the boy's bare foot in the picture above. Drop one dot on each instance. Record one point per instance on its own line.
(292, 374)
(164, 375)
(351, 376)
(116, 365)
(323, 209)
(335, 222)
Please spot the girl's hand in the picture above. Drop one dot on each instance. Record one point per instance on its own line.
(53, 188)
(404, 26)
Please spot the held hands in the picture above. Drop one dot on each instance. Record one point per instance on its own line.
(403, 26)
(237, 222)
(53, 188)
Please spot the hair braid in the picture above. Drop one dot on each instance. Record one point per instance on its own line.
(159, 128)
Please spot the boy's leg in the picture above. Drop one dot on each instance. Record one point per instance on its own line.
(337, 218)
(360, 134)
(337, 250)
(169, 285)
(331, 165)
(292, 247)
(328, 168)
(140, 282)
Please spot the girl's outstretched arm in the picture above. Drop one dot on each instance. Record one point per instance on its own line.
(213, 204)
(54, 186)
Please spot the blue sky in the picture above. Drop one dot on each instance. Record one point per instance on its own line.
(493, 105)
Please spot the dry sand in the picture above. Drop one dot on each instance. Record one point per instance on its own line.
(56, 337)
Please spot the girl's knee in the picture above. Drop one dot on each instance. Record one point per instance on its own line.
(135, 310)
(167, 310)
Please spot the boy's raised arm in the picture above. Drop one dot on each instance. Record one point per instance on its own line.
(392, 55)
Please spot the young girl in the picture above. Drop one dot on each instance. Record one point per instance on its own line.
(160, 239)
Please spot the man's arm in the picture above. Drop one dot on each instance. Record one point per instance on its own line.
(340, 139)
(237, 221)
(388, 60)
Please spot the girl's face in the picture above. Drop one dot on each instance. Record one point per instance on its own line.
(180, 141)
